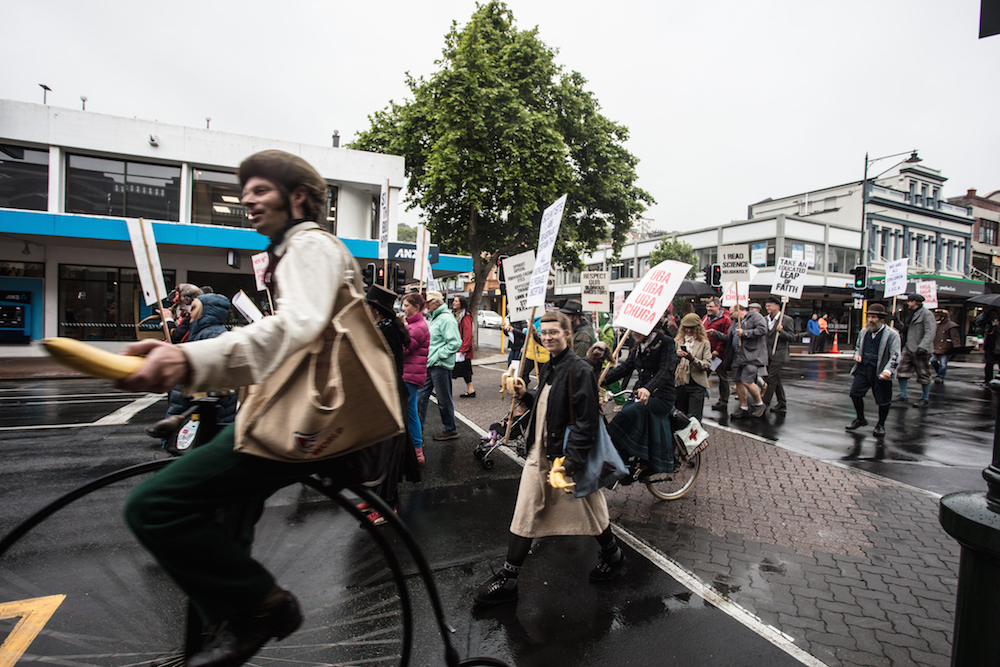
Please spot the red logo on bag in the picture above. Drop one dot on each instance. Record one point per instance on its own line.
(304, 443)
(327, 442)
(693, 435)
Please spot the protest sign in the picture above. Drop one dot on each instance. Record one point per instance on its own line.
(789, 277)
(649, 300)
(547, 234)
(383, 221)
(734, 261)
(895, 277)
(260, 263)
(594, 288)
(619, 301)
(147, 260)
(731, 295)
(246, 307)
(928, 290)
(517, 271)
(423, 242)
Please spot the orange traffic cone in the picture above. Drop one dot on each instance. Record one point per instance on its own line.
(836, 348)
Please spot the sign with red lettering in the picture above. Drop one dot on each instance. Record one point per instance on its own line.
(649, 300)
(260, 262)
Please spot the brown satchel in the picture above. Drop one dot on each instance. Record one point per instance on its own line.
(336, 396)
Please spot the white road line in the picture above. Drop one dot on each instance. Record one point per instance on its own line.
(689, 579)
(124, 414)
(120, 416)
(119, 395)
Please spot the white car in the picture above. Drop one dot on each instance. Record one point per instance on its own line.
(489, 319)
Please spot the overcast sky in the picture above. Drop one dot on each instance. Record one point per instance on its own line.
(728, 102)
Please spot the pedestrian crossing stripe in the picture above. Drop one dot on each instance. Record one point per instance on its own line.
(34, 613)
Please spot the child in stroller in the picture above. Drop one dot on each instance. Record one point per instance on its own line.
(518, 426)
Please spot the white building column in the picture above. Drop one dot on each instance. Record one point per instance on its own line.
(57, 178)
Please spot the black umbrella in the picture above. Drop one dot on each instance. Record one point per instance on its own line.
(696, 288)
(986, 299)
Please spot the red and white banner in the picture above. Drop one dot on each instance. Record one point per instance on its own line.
(928, 290)
(260, 263)
(649, 300)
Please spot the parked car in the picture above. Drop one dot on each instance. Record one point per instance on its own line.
(489, 319)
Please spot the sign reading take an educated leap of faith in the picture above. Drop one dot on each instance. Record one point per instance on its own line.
(789, 277)
(895, 277)
(649, 300)
(517, 271)
(547, 234)
(595, 291)
(734, 261)
(928, 290)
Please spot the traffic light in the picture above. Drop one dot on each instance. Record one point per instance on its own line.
(398, 278)
(860, 277)
(713, 275)
(368, 275)
(380, 275)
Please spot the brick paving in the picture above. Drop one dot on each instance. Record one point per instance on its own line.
(855, 568)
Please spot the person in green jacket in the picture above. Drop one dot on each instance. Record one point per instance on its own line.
(445, 342)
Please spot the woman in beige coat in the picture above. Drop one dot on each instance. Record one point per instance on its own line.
(695, 359)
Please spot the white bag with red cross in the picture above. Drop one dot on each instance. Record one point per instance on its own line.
(691, 440)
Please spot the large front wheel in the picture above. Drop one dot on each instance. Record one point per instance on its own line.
(674, 485)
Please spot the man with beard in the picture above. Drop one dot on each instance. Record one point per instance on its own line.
(918, 341)
(875, 363)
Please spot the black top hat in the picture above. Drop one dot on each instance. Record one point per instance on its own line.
(383, 299)
(572, 308)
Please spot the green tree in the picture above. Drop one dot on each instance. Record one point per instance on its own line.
(670, 248)
(497, 134)
(406, 234)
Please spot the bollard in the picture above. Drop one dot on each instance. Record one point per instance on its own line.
(973, 519)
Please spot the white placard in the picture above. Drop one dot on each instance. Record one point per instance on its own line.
(789, 277)
(649, 300)
(928, 290)
(260, 263)
(595, 291)
(547, 234)
(423, 244)
(246, 307)
(619, 301)
(147, 260)
(429, 275)
(383, 221)
(895, 277)
(736, 292)
(517, 271)
(735, 263)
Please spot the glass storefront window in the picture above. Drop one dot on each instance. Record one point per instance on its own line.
(104, 186)
(24, 178)
(102, 303)
(810, 252)
(842, 260)
(22, 269)
(215, 199)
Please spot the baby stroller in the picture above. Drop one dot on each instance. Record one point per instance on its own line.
(518, 427)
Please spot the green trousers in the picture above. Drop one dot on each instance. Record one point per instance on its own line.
(196, 517)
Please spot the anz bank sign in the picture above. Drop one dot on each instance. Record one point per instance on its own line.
(407, 252)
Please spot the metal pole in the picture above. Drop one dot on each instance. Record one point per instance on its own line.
(864, 221)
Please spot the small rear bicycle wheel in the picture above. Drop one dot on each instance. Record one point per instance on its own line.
(674, 485)
(97, 597)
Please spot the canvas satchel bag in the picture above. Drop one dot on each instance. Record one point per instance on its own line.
(336, 396)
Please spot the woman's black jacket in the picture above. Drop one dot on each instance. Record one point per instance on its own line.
(656, 365)
(557, 417)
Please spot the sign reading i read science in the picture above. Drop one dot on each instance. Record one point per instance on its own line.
(735, 263)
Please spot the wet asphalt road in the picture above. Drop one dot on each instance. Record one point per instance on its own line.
(459, 514)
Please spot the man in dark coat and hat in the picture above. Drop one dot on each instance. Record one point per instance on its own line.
(875, 362)
(583, 332)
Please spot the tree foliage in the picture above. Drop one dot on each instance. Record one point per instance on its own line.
(406, 234)
(497, 134)
(670, 248)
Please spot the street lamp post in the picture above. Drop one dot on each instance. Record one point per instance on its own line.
(973, 519)
(45, 93)
(864, 194)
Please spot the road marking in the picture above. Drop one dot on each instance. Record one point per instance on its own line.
(120, 416)
(124, 396)
(689, 579)
(34, 613)
(124, 414)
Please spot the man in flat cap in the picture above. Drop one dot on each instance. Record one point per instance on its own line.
(780, 329)
(875, 362)
(583, 333)
(918, 342)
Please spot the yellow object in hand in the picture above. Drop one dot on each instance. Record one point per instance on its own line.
(91, 360)
(557, 480)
